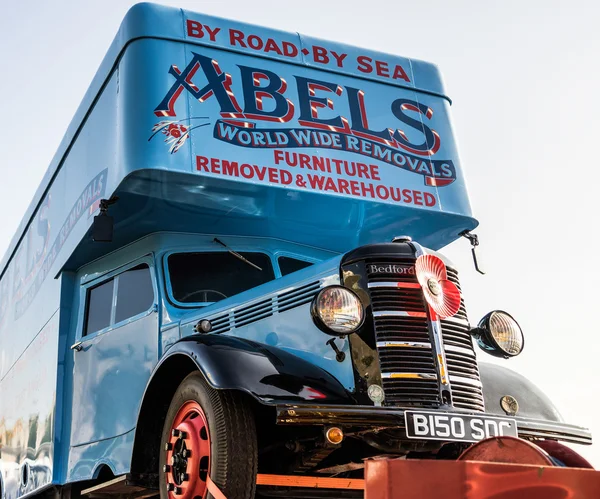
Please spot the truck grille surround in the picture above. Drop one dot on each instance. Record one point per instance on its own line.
(404, 345)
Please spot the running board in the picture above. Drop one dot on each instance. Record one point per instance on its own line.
(124, 486)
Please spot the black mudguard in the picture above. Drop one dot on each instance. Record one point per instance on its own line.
(499, 381)
(269, 374)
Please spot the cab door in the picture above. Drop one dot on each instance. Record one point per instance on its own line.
(116, 351)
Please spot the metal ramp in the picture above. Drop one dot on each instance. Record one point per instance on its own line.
(124, 486)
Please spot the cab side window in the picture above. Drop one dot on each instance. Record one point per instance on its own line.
(119, 298)
(288, 265)
(99, 306)
(135, 294)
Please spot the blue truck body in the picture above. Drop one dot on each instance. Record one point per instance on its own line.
(272, 142)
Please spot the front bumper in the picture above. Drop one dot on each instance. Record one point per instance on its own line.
(393, 417)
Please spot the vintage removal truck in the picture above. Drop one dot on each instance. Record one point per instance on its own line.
(231, 268)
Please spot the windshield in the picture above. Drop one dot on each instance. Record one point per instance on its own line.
(210, 277)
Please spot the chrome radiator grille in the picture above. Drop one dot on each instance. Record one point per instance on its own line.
(406, 354)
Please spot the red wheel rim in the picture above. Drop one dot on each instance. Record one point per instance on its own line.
(188, 453)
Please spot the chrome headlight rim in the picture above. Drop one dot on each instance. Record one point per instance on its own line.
(317, 319)
(486, 340)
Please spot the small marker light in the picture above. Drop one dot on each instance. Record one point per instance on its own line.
(334, 435)
(375, 393)
(204, 326)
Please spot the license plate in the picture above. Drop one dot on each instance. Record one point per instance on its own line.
(457, 427)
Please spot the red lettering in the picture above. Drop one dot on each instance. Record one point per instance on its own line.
(407, 196)
(339, 58)
(330, 185)
(194, 29)
(418, 198)
(271, 46)
(231, 169)
(320, 54)
(278, 155)
(375, 172)
(343, 186)
(236, 36)
(260, 172)
(364, 64)
(381, 68)
(304, 161)
(316, 181)
(273, 177)
(362, 170)
(367, 188)
(215, 167)
(247, 171)
(212, 33)
(255, 42)
(399, 73)
(289, 49)
(429, 199)
(286, 177)
(383, 192)
(201, 163)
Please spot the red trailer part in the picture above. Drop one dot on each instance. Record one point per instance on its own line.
(496, 468)
(421, 479)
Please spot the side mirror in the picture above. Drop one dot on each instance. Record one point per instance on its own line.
(103, 226)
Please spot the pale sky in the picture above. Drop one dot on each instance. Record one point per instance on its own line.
(524, 78)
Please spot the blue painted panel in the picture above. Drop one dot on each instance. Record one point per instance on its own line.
(112, 370)
(32, 299)
(109, 378)
(85, 460)
(295, 332)
(27, 414)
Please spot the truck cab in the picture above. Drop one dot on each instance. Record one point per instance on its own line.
(234, 268)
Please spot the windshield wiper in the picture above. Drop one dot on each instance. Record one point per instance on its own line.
(236, 254)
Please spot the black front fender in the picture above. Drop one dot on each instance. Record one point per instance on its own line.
(269, 374)
(499, 381)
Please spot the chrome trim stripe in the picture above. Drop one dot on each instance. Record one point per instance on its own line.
(392, 284)
(455, 320)
(398, 313)
(403, 344)
(466, 381)
(465, 351)
(408, 376)
(547, 425)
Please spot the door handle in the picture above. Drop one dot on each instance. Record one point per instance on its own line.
(78, 347)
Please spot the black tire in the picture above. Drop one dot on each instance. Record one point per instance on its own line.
(232, 430)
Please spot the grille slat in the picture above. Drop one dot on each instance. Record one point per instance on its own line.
(386, 296)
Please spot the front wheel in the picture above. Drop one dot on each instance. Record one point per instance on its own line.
(207, 432)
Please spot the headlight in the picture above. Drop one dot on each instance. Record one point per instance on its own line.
(337, 311)
(499, 335)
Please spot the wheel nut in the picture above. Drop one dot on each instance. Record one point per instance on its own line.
(170, 487)
(166, 468)
(179, 434)
(173, 460)
(186, 453)
(185, 477)
(168, 446)
(178, 491)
